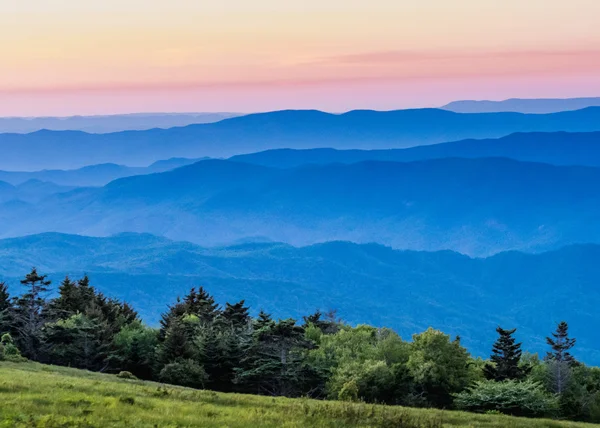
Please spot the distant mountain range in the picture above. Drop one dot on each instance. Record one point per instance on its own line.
(557, 148)
(93, 175)
(110, 123)
(284, 129)
(474, 206)
(408, 291)
(520, 105)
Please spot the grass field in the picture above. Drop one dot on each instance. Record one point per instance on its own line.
(34, 395)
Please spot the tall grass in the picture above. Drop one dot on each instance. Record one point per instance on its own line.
(34, 395)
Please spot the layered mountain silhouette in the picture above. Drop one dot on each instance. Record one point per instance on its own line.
(474, 206)
(93, 175)
(109, 123)
(557, 148)
(523, 105)
(283, 129)
(405, 290)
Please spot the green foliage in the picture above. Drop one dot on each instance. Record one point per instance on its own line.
(511, 397)
(439, 367)
(126, 375)
(8, 350)
(185, 373)
(348, 391)
(134, 349)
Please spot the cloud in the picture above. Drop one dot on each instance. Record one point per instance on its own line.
(403, 56)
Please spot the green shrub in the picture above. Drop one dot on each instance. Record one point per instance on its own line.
(9, 351)
(126, 375)
(349, 391)
(184, 373)
(511, 397)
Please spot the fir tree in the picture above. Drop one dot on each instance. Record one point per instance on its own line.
(5, 310)
(177, 344)
(237, 314)
(506, 355)
(326, 323)
(561, 343)
(262, 321)
(174, 313)
(29, 310)
(201, 304)
(560, 361)
(67, 303)
(276, 364)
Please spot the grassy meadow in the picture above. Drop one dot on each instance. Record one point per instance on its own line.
(35, 395)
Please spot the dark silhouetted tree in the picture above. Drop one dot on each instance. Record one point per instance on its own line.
(505, 358)
(29, 309)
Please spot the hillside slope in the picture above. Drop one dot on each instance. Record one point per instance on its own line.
(283, 129)
(474, 206)
(556, 148)
(405, 290)
(48, 396)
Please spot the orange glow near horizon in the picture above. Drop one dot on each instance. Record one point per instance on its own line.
(60, 57)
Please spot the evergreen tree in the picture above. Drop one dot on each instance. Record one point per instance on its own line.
(78, 341)
(177, 345)
(67, 303)
(237, 315)
(263, 320)
(201, 304)
(560, 361)
(174, 313)
(276, 364)
(561, 343)
(29, 310)
(326, 323)
(506, 356)
(5, 310)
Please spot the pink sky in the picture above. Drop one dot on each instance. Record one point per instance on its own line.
(68, 57)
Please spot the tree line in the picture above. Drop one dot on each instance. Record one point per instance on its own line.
(201, 344)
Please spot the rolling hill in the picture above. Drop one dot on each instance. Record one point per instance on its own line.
(283, 129)
(110, 123)
(523, 105)
(557, 148)
(39, 395)
(408, 291)
(92, 175)
(474, 206)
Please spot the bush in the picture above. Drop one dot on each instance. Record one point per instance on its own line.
(126, 375)
(509, 397)
(349, 391)
(184, 373)
(8, 350)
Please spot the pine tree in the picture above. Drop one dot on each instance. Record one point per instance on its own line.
(5, 310)
(177, 345)
(237, 314)
(263, 320)
(276, 364)
(326, 323)
(67, 303)
(201, 304)
(559, 359)
(29, 310)
(174, 313)
(506, 355)
(561, 343)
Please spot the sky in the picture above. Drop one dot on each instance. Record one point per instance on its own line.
(65, 57)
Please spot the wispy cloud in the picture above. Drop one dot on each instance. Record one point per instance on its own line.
(403, 56)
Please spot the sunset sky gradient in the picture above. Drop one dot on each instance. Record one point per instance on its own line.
(63, 57)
